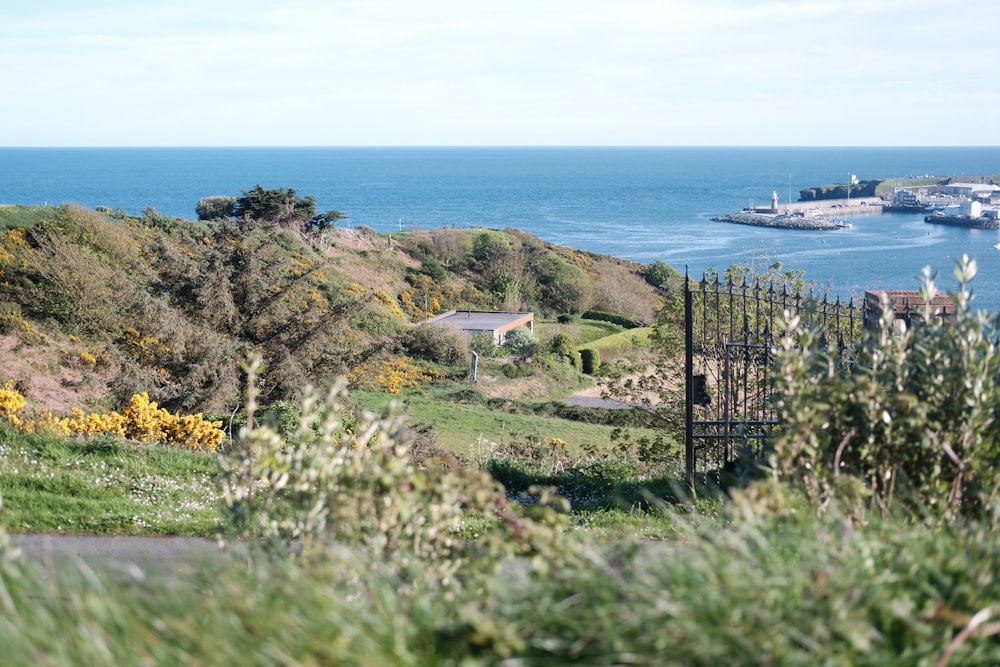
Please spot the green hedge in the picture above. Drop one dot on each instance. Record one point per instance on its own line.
(602, 316)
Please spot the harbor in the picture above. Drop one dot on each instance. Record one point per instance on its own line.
(815, 215)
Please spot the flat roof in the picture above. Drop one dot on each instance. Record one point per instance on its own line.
(483, 320)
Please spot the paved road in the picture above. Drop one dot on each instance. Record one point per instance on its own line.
(121, 555)
(595, 402)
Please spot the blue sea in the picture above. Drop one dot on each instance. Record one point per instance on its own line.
(642, 204)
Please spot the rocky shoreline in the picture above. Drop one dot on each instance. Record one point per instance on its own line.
(780, 221)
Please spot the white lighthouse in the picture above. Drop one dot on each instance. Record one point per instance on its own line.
(774, 202)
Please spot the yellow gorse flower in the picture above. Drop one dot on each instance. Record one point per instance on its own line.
(141, 420)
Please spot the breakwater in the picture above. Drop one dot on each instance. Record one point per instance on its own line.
(780, 221)
(963, 221)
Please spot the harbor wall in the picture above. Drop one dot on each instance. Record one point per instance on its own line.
(836, 207)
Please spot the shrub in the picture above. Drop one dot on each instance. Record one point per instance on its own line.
(563, 347)
(389, 374)
(914, 422)
(513, 371)
(432, 268)
(141, 420)
(601, 316)
(662, 275)
(215, 208)
(359, 487)
(438, 343)
(484, 345)
(521, 342)
(588, 361)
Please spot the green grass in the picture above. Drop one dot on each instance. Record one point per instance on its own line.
(12, 216)
(467, 429)
(622, 343)
(632, 579)
(582, 331)
(105, 486)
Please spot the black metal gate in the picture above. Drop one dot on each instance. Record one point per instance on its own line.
(730, 329)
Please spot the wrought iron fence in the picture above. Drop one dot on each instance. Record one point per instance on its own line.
(731, 328)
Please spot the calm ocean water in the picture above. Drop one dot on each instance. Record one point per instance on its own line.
(638, 203)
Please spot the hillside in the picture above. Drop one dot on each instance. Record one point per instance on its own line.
(883, 187)
(98, 305)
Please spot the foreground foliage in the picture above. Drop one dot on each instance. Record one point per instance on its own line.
(909, 427)
(762, 591)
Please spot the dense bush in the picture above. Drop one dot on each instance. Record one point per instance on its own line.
(142, 420)
(215, 208)
(438, 343)
(562, 346)
(913, 422)
(350, 480)
(484, 345)
(662, 275)
(589, 361)
(612, 318)
(521, 342)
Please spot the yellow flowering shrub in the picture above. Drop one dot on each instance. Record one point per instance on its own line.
(356, 290)
(141, 420)
(146, 349)
(382, 297)
(145, 419)
(96, 422)
(46, 422)
(390, 375)
(194, 432)
(12, 322)
(11, 403)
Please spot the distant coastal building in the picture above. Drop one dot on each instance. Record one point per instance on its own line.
(473, 322)
(905, 201)
(907, 307)
(975, 190)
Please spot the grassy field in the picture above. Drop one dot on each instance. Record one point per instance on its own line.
(620, 344)
(105, 486)
(470, 429)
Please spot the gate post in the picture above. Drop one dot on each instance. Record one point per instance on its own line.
(689, 459)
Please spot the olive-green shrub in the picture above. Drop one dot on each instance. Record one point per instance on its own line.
(344, 479)
(912, 425)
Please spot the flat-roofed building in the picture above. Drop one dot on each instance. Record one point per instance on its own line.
(472, 322)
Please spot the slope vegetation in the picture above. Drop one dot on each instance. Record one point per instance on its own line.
(98, 305)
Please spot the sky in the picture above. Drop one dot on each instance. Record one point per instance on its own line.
(500, 73)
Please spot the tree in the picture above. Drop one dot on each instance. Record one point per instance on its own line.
(662, 275)
(215, 208)
(279, 206)
(326, 220)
